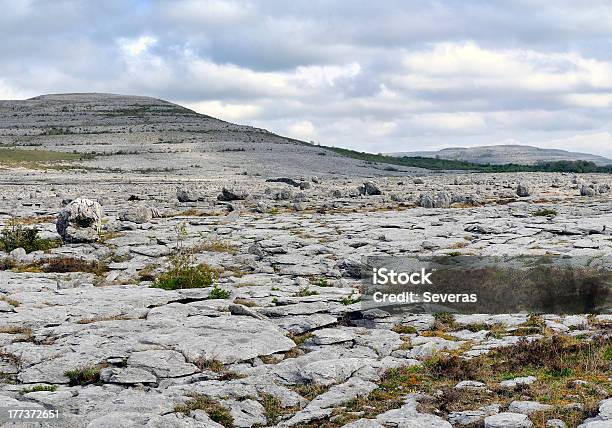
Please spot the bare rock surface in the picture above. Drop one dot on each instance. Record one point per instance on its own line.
(281, 340)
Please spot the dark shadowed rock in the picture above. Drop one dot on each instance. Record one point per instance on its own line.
(231, 194)
(523, 190)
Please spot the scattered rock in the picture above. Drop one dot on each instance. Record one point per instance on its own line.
(80, 221)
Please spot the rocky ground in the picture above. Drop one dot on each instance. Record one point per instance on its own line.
(276, 335)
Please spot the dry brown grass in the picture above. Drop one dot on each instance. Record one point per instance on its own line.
(100, 319)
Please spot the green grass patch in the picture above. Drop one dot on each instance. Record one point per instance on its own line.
(213, 409)
(544, 213)
(404, 329)
(15, 235)
(83, 375)
(39, 388)
(184, 275)
(305, 292)
(219, 293)
(349, 300)
(15, 157)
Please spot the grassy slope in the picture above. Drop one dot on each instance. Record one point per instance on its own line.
(18, 156)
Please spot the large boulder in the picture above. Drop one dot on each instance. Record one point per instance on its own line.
(138, 214)
(228, 194)
(587, 190)
(189, 195)
(439, 200)
(369, 188)
(80, 221)
(442, 200)
(523, 190)
(426, 201)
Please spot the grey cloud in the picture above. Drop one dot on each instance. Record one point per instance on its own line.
(338, 65)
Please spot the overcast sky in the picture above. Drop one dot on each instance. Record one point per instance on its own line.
(370, 75)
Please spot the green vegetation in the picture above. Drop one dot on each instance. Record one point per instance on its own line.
(15, 235)
(544, 213)
(16, 157)
(273, 409)
(305, 292)
(83, 375)
(556, 361)
(183, 272)
(8, 300)
(219, 293)
(446, 164)
(213, 409)
(184, 275)
(216, 246)
(321, 282)
(39, 388)
(404, 329)
(349, 300)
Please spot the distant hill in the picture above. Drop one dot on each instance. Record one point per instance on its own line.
(504, 154)
(144, 135)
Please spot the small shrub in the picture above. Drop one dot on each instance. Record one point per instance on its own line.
(71, 264)
(7, 263)
(183, 275)
(309, 390)
(544, 213)
(321, 282)
(444, 321)
(146, 273)
(305, 292)
(209, 364)
(272, 408)
(213, 409)
(404, 329)
(39, 388)
(83, 375)
(15, 235)
(219, 293)
(349, 300)
(216, 246)
(299, 339)
(8, 300)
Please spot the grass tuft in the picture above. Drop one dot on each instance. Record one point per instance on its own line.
(544, 213)
(39, 388)
(83, 375)
(213, 409)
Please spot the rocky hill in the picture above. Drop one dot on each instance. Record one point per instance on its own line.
(502, 154)
(133, 133)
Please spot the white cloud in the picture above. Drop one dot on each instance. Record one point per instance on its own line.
(404, 77)
(9, 93)
(597, 143)
(304, 130)
(453, 122)
(225, 111)
(589, 100)
(138, 46)
(452, 65)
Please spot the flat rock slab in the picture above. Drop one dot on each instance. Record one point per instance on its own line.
(228, 339)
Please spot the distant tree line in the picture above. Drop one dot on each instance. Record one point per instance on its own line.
(448, 164)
